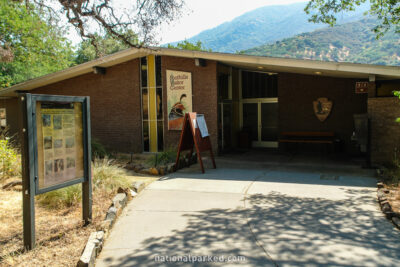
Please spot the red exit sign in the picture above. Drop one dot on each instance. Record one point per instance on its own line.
(361, 87)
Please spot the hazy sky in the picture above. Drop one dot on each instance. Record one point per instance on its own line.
(207, 14)
(200, 15)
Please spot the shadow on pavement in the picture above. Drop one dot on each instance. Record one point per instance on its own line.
(295, 231)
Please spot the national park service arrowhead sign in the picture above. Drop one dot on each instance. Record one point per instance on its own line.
(322, 108)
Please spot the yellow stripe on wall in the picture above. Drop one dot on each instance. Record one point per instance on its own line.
(151, 78)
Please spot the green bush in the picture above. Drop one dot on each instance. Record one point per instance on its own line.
(10, 160)
(64, 197)
(162, 158)
(106, 178)
(98, 150)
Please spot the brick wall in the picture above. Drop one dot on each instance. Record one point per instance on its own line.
(114, 101)
(385, 131)
(296, 95)
(204, 90)
(12, 114)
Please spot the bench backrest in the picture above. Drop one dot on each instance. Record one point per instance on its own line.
(308, 134)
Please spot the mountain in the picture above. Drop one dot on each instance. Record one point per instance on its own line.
(350, 42)
(264, 25)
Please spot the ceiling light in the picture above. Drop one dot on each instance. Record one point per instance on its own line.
(318, 72)
(260, 67)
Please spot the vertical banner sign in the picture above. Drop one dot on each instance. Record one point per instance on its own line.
(56, 151)
(179, 97)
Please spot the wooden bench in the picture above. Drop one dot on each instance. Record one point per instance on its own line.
(308, 137)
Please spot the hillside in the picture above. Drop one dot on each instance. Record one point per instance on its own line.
(263, 25)
(349, 42)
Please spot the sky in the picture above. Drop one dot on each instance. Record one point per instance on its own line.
(200, 15)
(205, 14)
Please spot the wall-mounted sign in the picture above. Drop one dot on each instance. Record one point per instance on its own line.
(322, 108)
(179, 97)
(361, 87)
(3, 118)
(56, 151)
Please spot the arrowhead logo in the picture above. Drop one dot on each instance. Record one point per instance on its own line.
(322, 108)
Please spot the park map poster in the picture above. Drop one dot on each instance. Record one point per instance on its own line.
(179, 97)
(60, 143)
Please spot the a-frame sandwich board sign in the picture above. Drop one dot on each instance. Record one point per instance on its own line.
(194, 134)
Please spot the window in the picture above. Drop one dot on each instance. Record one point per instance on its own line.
(259, 85)
(152, 108)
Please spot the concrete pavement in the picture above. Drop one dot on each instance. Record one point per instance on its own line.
(275, 215)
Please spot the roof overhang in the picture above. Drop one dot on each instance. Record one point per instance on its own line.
(267, 64)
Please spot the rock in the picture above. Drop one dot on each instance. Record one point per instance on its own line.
(389, 214)
(379, 185)
(138, 186)
(383, 199)
(133, 193)
(153, 171)
(386, 207)
(138, 168)
(386, 191)
(111, 214)
(381, 194)
(161, 170)
(396, 221)
(92, 249)
(119, 202)
(145, 171)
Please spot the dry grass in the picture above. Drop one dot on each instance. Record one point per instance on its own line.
(60, 234)
(394, 198)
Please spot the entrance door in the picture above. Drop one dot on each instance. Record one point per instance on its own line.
(260, 120)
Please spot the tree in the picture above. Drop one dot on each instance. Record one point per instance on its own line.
(29, 46)
(105, 45)
(387, 11)
(186, 45)
(118, 18)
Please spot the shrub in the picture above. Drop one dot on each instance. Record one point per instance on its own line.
(106, 178)
(162, 158)
(98, 150)
(10, 160)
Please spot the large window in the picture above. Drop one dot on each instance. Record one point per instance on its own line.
(152, 111)
(259, 85)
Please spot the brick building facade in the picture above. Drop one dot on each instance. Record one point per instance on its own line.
(116, 104)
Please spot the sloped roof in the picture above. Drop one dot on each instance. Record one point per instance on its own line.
(335, 69)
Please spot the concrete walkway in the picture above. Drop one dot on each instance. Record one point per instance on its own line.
(275, 215)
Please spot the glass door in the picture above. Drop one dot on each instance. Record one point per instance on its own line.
(260, 121)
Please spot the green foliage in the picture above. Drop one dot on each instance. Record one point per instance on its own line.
(10, 161)
(387, 11)
(107, 178)
(186, 45)
(106, 45)
(162, 158)
(37, 48)
(64, 197)
(349, 42)
(98, 150)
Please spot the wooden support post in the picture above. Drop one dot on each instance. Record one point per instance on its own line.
(28, 171)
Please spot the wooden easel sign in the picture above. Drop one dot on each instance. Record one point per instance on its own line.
(195, 134)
